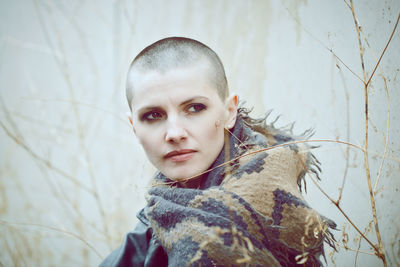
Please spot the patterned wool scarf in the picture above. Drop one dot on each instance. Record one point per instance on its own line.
(249, 212)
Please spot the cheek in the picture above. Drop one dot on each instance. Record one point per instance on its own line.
(149, 139)
(210, 130)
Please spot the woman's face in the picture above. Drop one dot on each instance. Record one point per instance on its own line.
(179, 119)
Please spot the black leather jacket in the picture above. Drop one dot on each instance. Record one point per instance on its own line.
(139, 248)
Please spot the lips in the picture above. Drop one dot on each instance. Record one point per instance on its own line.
(180, 155)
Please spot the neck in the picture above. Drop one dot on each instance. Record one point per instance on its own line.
(193, 182)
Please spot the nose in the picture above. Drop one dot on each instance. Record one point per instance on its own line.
(175, 132)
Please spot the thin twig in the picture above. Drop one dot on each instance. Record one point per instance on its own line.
(321, 43)
(74, 102)
(343, 213)
(367, 230)
(386, 138)
(338, 207)
(39, 122)
(64, 68)
(57, 230)
(266, 149)
(359, 41)
(46, 162)
(348, 248)
(384, 50)
(347, 135)
(380, 249)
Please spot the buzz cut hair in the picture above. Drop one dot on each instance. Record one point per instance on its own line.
(177, 52)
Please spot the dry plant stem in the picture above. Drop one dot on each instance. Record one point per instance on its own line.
(266, 149)
(321, 43)
(347, 134)
(359, 41)
(336, 203)
(61, 196)
(46, 162)
(356, 250)
(290, 143)
(40, 123)
(41, 163)
(83, 41)
(89, 55)
(57, 230)
(384, 50)
(386, 138)
(74, 102)
(388, 100)
(367, 229)
(234, 136)
(16, 255)
(64, 68)
(351, 249)
(344, 214)
(381, 252)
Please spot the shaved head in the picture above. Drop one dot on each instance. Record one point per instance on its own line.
(173, 53)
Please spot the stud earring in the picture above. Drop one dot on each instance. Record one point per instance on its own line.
(229, 126)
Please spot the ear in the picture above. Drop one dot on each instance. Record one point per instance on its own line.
(231, 105)
(129, 115)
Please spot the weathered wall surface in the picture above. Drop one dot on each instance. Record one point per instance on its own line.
(72, 175)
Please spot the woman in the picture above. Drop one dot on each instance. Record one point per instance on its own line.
(222, 195)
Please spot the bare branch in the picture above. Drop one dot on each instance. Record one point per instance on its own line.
(384, 50)
(57, 230)
(380, 250)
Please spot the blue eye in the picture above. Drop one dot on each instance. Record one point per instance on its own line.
(152, 116)
(195, 108)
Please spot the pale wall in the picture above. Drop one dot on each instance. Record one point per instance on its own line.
(72, 175)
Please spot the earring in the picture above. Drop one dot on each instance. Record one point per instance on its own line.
(229, 126)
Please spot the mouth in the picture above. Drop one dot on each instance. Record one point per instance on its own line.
(180, 155)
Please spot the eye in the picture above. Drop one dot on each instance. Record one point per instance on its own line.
(152, 116)
(195, 108)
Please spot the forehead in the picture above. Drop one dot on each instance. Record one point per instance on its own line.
(148, 85)
(140, 74)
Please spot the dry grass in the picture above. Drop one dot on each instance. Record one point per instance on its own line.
(82, 225)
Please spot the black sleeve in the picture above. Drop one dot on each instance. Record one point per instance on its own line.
(139, 248)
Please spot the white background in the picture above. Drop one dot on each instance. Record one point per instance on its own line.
(72, 174)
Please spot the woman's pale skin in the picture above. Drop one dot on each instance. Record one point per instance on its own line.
(179, 119)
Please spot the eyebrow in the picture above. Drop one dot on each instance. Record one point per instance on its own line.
(192, 99)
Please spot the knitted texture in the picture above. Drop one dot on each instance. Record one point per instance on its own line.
(248, 212)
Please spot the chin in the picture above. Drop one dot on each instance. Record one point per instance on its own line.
(182, 174)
